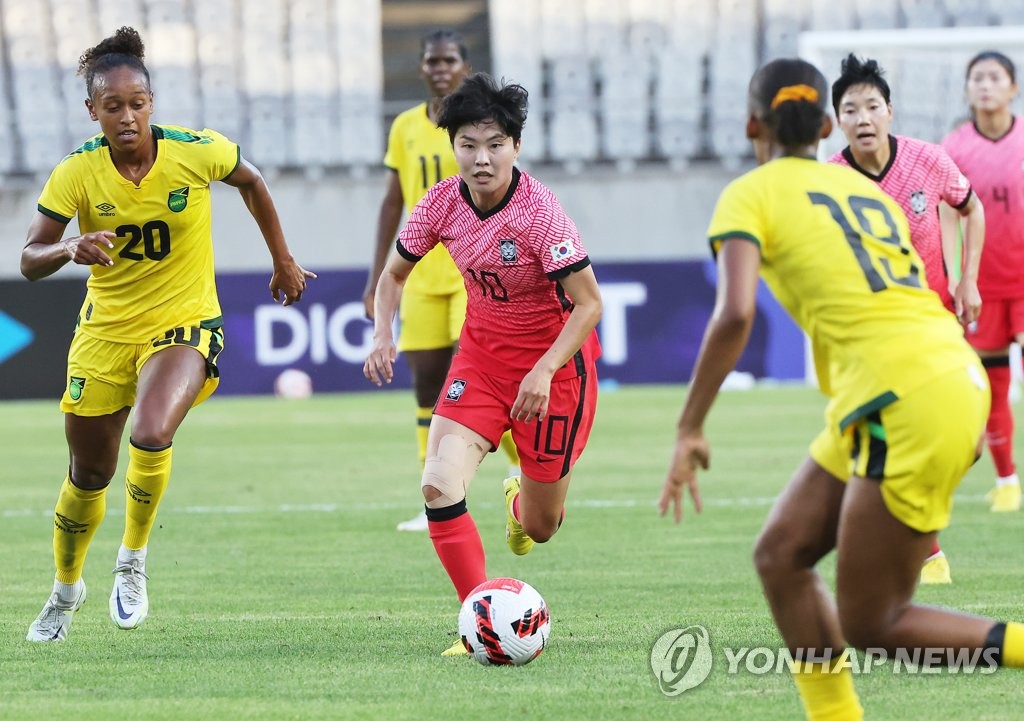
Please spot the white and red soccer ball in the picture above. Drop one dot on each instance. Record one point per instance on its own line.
(504, 622)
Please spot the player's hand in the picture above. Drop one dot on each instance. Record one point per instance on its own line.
(88, 249)
(692, 452)
(967, 302)
(289, 281)
(380, 364)
(532, 399)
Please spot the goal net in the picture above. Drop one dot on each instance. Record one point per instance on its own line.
(925, 69)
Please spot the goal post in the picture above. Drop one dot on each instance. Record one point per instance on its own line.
(925, 68)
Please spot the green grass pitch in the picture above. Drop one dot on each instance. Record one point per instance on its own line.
(280, 589)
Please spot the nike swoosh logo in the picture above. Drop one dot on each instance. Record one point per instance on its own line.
(120, 609)
(542, 459)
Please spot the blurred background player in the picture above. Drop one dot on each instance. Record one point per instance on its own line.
(419, 154)
(907, 400)
(990, 151)
(918, 176)
(527, 352)
(149, 331)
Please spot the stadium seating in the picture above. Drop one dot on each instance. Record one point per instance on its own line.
(300, 83)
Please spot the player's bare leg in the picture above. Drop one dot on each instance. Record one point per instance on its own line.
(878, 564)
(799, 532)
(169, 383)
(429, 369)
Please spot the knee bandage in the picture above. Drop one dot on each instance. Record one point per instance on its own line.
(451, 469)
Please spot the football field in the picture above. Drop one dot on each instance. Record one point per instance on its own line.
(280, 589)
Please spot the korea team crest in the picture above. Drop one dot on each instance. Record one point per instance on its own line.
(509, 254)
(177, 199)
(918, 203)
(455, 390)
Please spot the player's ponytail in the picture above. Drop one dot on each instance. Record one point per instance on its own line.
(124, 47)
(790, 96)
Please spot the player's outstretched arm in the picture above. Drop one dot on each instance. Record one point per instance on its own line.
(725, 337)
(379, 367)
(45, 253)
(289, 278)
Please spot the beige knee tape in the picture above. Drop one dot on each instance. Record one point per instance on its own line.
(451, 470)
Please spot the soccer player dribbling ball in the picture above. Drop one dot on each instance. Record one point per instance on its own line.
(433, 306)
(149, 332)
(990, 151)
(528, 347)
(907, 400)
(919, 176)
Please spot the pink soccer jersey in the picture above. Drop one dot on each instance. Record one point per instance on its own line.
(918, 176)
(510, 257)
(996, 170)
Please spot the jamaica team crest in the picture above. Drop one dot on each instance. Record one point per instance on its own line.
(75, 387)
(177, 199)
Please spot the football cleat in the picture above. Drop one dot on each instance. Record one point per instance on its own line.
(935, 571)
(456, 649)
(1005, 498)
(129, 601)
(515, 536)
(55, 619)
(417, 523)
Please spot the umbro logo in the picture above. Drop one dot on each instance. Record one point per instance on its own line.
(106, 209)
(67, 525)
(137, 493)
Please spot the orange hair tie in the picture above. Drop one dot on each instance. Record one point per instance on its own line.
(794, 92)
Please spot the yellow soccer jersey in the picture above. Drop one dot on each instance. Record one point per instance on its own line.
(422, 155)
(162, 276)
(836, 253)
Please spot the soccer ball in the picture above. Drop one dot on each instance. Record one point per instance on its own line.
(293, 384)
(504, 622)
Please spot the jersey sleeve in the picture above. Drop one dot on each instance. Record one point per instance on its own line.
(554, 235)
(737, 215)
(223, 155)
(955, 188)
(419, 235)
(61, 194)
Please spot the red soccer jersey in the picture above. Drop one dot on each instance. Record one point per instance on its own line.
(918, 176)
(996, 170)
(511, 258)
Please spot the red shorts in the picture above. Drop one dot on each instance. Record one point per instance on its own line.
(1000, 322)
(548, 449)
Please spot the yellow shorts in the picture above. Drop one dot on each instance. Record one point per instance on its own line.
(918, 446)
(431, 321)
(103, 375)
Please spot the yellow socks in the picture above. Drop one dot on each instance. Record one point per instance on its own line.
(423, 416)
(77, 515)
(145, 483)
(509, 446)
(826, 690)
(1013, 646)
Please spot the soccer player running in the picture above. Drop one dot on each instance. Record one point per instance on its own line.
(918, 176)
(433, 307)
(528, 347)
(149, 331)
(990, 151)
(908, 400)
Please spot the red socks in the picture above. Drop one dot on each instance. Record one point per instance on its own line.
(457, 543)
(999, 430)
